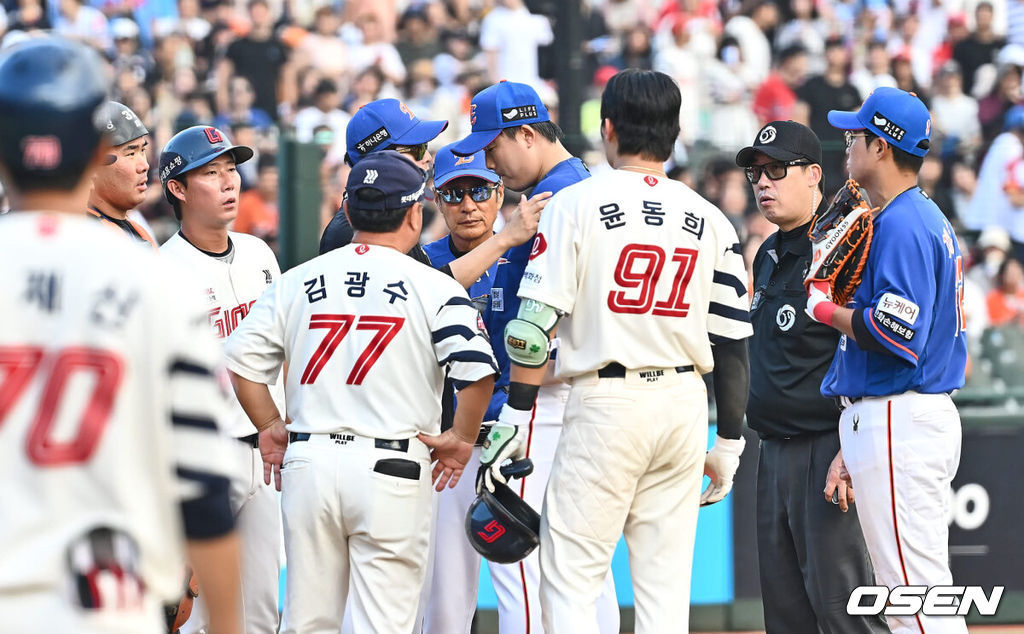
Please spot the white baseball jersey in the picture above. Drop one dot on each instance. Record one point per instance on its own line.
(108, 428)
(360, 326)
(231, 284)
(628, 245)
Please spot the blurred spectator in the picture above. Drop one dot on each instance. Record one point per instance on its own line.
(991, 205)
(636, 50)
(259, 57)
(126, 54)
(77, 20)
(324, 111)
(257, 207)
(955, 122)
(374, 51)
(621, 15)
(963, 182)
(775, 99)
(830, 91)
(456, 59)
(875, 72)
(509, 36)
(732, 122)
(418, 38)
(805, 29)
(993, 250)
(366, 88)
(241, 108)
(752, 30)
(323, 50)
(980, 47)
(680, 62)
(992, 108)
(904, 73)
(27, 15)
(1006, 300)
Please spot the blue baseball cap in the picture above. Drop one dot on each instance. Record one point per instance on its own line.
(448, 166)
(395, 182)
(895, 115)
(506, 104)
(386, 122)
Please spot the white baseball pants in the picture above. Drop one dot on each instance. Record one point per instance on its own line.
(347, 526)
(902, 453)
(453, 594)
(258, 523)
(630, 459)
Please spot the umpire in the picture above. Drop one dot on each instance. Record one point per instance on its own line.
(811, 554)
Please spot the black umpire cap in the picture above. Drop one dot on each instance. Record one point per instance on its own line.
(383, 181)
(783, 141)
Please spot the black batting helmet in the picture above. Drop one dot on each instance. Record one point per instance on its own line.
(501, 526)
(194, 147)
(121, 124)
(51, 95)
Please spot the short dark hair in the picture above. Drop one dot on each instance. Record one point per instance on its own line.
(905, 161)
(643, 106)
(175, 201)
(547, 129)
(374, 221)
(65, 178)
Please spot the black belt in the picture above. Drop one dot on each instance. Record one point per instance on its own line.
(253, 440)
(379, 443)
(839, 401)
(485, 430)
(618, 371)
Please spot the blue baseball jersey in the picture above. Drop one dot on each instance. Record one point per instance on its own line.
(911, 301)
(504, 305)
(442, 252)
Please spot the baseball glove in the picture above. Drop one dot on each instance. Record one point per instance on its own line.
(840, 240)
(178, 614)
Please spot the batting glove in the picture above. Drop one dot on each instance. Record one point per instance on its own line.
(506, 441)
(720, 465)
(820, 306)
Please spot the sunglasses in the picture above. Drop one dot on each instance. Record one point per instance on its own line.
(479, 193)
(851, 137)
(775, 171)
(415, 151)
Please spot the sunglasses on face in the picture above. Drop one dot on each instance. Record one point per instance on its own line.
(415, 151)
(775, 171)
(478, 194)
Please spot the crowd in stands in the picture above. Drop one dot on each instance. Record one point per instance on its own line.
(260, 69)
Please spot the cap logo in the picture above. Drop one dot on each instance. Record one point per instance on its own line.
(462, 160)
(767, 135)
(213, 135)
(41, 152)
(928, 127)
(540, 245)
(888, 127)
(375, 138)
(472, 114)
(517, 113)
(404, 108)
(169, 167)
(416, 195)
(371, 175)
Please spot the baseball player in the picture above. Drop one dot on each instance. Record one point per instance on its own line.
(648, 279)
(901, 353)
(389, 124)
(109, 443)
(369, 336)
(230, 270)
(811, 555)
(120, 184)
(523, 146)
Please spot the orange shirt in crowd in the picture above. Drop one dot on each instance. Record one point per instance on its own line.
(1004, 309)
(255, 215)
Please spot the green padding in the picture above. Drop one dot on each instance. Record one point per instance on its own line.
(526, 343)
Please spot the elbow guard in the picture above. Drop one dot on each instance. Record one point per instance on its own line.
(527, 336)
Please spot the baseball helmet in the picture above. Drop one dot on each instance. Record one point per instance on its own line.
(500, 525)
(51, 97)
(194, 147)
(121, 124)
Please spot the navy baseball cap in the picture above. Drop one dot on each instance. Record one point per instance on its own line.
(895, 115)
(448, 166)
(386, 122)
(783, 141)
(397, 181)
(506, 104)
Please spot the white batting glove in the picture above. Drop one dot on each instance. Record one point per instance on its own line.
(820, 307)
(720, 465)
(506, 441)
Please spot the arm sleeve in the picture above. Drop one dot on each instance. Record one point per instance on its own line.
(460, 341)
(728, 308)
(255, 350)
(732, 383)
(550, 275)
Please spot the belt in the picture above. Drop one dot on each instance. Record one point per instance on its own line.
(253, 440)
(485, 430)
(379, 443)
(618, 371)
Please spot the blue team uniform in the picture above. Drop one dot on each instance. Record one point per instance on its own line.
(910, 299)
(442, 252)
(504, 304)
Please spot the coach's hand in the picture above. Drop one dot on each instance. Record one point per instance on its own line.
(507, 441)
(522, 224)
(838, 484)
(720, 465)
(273, 443)
(449, 453)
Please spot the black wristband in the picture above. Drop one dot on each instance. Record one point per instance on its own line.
(522, 396)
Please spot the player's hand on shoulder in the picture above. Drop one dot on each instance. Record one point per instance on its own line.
(838, 484)
(720, 465)
(449, 453)
(522, 224)
(273, 443)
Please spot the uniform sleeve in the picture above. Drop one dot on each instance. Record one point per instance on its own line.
(728, 308)
(198, 403)
(460, 341)
(550, 275)
(255, 350)
(902, 265)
